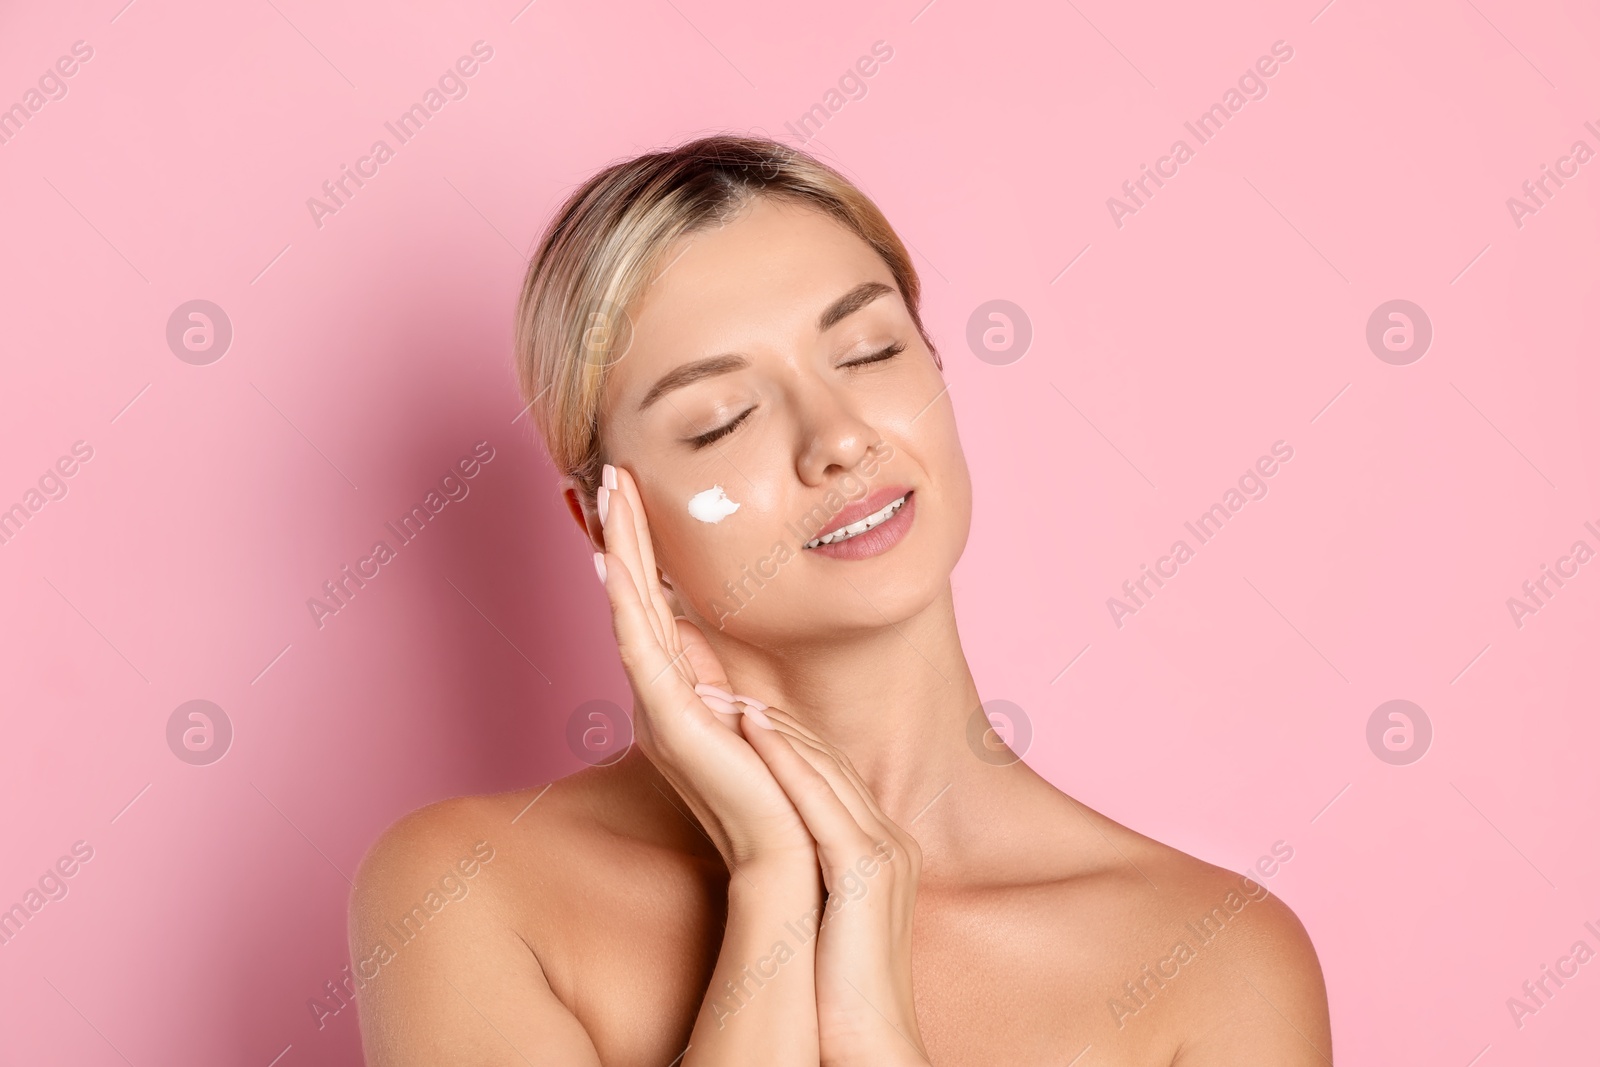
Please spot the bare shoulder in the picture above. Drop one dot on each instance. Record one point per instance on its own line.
(438, 959)
(504, 845)
(1226, 963)
(447, 838)
(483, 925)
(591, 810)
(1190, 890)
(427, 866)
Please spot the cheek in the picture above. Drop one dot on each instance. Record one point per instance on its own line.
(956, 459)
(701, 531)
(937, 445)
(703, 559)
(712, 505)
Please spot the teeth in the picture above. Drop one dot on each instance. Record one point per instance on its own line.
(855, 529)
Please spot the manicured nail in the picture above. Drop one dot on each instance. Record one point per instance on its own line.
(608, 477)
(752, 701)
(602, 500)
(600, 566)
(707, 689)
(718, 704)
(759, 718)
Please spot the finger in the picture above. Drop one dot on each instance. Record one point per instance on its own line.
(698, 654)
(646, 662)
(647, 553)
(840, 839)
(782, 717)
(621, 536)
(800, 728)
(727, 713)
(850, 791)
(726, 710)
(850, 772)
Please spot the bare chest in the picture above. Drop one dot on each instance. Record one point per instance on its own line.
(1000, 981)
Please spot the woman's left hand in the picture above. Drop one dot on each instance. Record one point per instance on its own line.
(866, 1013)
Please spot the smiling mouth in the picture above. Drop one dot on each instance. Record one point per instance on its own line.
(859, 527)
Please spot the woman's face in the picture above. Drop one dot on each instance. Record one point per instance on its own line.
(775, 358)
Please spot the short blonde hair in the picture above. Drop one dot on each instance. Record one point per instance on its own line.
(601, 249)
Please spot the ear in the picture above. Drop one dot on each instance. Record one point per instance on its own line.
(588, 521)
(583, 513)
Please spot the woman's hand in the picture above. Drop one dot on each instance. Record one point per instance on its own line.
(760, 1004)
(866, 1013)
(779, 802)
(694, 740)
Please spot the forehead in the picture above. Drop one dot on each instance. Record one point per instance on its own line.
(761, 278)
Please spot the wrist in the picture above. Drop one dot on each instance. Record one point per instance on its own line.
(790, 873)
(905, 1057)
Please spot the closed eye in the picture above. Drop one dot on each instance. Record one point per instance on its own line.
(878, 357)
(712, 436)
(720, 432)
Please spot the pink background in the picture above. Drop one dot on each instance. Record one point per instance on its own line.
(371, 352)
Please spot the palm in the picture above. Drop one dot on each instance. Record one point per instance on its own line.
(698, 750)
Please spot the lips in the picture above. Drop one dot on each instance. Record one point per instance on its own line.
(870, 504)
(858, 541)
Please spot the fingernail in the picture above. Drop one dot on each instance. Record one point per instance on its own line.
(752, 701)
(718, 704)
(707, 689)
(600, 566)
(602, 501)
(608, 477)
(759, 717)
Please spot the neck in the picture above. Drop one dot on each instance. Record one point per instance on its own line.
(897, 700)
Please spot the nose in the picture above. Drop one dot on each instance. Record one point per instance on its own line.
(835, 438)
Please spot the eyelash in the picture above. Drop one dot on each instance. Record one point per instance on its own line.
(720, 432)
(878, 357)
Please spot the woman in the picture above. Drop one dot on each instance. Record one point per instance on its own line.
(806, 858)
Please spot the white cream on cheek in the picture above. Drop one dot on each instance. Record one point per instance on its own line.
(712, 505)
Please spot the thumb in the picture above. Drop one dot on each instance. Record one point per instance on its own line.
(703, 662)
(706, 668)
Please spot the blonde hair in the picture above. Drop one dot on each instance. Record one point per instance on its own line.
(601, 249)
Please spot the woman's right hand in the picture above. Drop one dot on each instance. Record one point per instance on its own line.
(695, 741)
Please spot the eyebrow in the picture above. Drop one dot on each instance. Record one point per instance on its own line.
(700, 369)
(692, 372)
(850, 303)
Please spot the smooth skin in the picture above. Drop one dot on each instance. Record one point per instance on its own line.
(974, 914)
